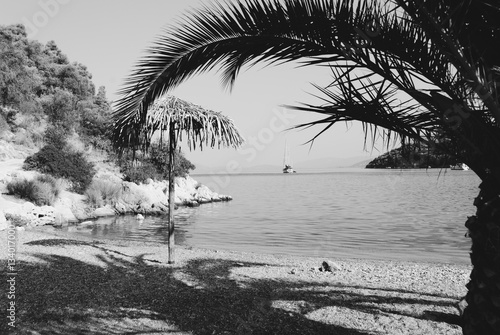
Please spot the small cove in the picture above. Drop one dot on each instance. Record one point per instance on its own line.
(375, 214)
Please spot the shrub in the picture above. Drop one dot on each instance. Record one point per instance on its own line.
(62, 163)
(49, 188)
(159, 157)
(102, 192)
(154, 164)
(43, 190)
(17, 220)
(23, 188)
(44, 194)
(4, 126)
(141, 172)
(93, 197)
(55, 136)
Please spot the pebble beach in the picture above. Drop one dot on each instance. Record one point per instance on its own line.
(75, 285)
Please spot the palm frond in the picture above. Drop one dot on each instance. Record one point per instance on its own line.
(395, 40)
(201, 127)
(234, 35)
(456, 24)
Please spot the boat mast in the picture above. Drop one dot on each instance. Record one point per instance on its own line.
(285, 156)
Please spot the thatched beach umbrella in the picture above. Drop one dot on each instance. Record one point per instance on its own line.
(172, 118)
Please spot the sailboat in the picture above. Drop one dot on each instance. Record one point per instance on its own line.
(286, 162)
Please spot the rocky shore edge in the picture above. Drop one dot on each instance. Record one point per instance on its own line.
(149, 198)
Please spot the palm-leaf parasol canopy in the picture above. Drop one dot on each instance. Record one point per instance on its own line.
(202, 127)
(175, 117)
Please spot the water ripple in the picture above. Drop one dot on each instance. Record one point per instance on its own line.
(413, 214)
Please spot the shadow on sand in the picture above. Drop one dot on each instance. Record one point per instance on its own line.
(133, 295)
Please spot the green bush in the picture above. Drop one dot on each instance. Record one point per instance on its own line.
(159, 157)
(22, 188)
(154, 164)
(62, 163)
(43, 190)
(102, 192)
(55, 136)
(140, 173)
(49, 188)
(45, 194)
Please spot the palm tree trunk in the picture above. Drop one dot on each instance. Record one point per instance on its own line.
(171, 194)
(482, 314)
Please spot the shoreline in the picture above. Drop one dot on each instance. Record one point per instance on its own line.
(68, 282)
(339, 252)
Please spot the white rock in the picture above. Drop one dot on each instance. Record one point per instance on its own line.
(104, 211)
(64, 215)
(86, 223)
(43, 215)
(27, 207)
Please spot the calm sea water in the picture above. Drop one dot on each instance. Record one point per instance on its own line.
(383, 214)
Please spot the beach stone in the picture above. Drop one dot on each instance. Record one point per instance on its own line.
(43, 215)
(63, 212)
(329, 267)
(104, 211)
(64, 215)
(204, 194)
(27, 208)
(225, 197)
(163, 207)
(203, 200)
(34, 215)
(123, 208)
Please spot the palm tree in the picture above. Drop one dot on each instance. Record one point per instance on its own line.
(419, 70)
(172, 117)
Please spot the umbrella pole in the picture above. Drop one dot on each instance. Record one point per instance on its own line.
(171, 195)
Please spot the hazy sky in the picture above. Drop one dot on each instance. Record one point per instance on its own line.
(110, 36)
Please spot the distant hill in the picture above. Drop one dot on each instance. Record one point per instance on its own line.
(412, 157)
(315, 165)
(361, 164)
(328, 163)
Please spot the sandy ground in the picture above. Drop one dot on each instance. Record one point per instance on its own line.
(74, 285)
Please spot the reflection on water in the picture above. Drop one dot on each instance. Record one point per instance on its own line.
(152, 228)
(413, 214)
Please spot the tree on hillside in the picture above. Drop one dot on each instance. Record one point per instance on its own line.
(18, 77)
(95, 120)
(40, 88)
(424, 70)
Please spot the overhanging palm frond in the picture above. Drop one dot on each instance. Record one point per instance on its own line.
(377, 37)
(377, 105)
(372, 35)
(469, 23)
(201, 127)
(235, 35)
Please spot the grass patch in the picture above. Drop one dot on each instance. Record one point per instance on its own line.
(103, 192)
(42, 190)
